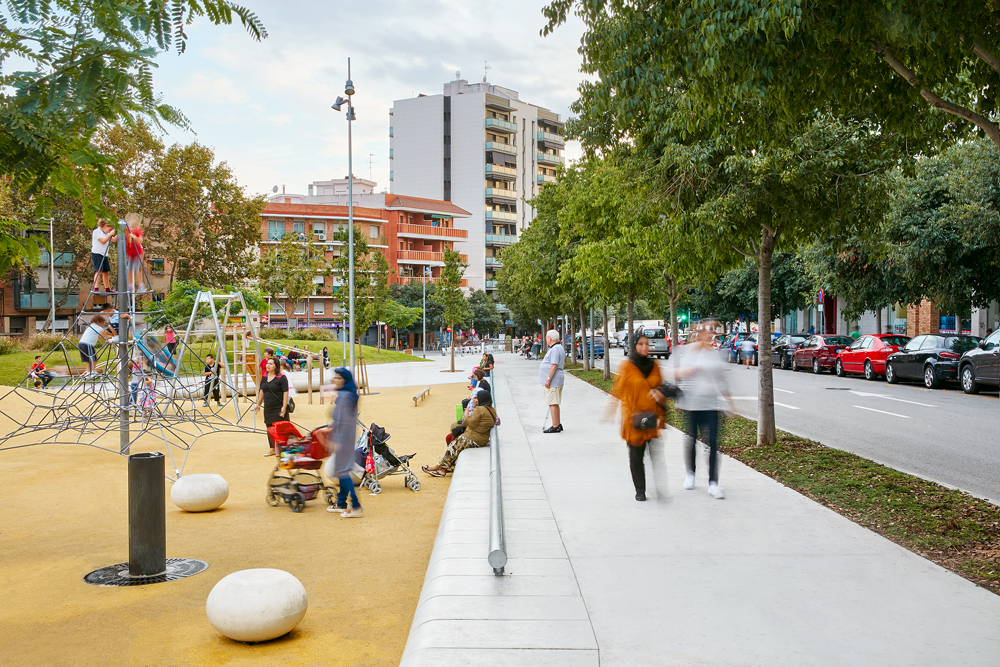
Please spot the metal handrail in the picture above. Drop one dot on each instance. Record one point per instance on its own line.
(498, 541)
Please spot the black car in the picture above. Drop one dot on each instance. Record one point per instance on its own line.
(783, 348)
(932, 357)
(981, 365)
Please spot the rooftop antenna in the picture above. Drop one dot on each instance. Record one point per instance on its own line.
(275, 189)
(488, 68)
(282, 189)
(371, 156)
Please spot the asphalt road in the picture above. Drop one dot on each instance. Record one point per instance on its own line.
(939, 434)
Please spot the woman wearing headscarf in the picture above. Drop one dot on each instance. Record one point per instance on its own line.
(476, 434)
(640, 400)
(342, 431)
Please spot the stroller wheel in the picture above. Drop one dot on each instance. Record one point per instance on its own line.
(297, 502)
(329, 498)
(375, 488)
(271, 499)
(413, 484)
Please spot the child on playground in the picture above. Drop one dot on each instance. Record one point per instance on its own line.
(88, 341)
(211, 374)
(101, 237)
(133, 251)
(268, 354)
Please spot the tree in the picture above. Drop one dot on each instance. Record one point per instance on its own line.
(449, 295)
(176, 306)
(410, 295)
(288, 268)
(925, 69)
(399, 316)
(91, 67)
(483, 312)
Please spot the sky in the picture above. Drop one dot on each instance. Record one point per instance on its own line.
(264, 107)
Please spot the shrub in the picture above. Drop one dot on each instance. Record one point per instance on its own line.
(269, 333)
(10, 344)
(43, 342)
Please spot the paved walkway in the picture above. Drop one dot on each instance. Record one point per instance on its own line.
(765, 576)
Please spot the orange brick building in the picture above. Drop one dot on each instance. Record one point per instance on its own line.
(412, 232)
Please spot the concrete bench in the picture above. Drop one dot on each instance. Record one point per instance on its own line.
(424, 393)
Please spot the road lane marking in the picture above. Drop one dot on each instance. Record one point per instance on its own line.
(861, 407)
(754, 398)
(790, 407)
(784, 390)
(890, 398)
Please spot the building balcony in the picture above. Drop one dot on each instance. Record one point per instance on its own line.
(507, 216)
(417, 280)
(501, 173)
(494, 262)
(548, 158)
(491, 284)
(509, 149)
(502, 308)
(498, 125)
(501, 196)
(500, 239)
(62, 260)
(40, 301)
(553, 139)
(423, 257)
(429, 232)
(544, 178)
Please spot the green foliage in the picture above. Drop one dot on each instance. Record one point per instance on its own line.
(10, 345)
(287, 269)
(399, 316)
(449, 291)
(483, 313)
(371, 279)
(177, 305)
(410, 295)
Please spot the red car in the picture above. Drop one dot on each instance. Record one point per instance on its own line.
(868, 353)
(819, 352)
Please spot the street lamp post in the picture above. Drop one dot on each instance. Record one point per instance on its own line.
(349, 91)
(424, 304)
(52, 280)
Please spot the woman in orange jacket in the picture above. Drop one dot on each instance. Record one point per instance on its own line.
(637, 388)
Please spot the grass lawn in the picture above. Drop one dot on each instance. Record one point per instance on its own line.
(949, 527)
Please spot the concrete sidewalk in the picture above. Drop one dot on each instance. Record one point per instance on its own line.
(765, 576)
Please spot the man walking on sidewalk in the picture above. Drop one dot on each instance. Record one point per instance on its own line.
(551, 375)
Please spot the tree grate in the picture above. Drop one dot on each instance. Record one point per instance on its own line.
(117, 575)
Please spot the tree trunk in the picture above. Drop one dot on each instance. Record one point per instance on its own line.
(631, 323)
(878, 320)
(585, 351)
(607, 346)
(571, 352)
(781, 322)
(765, 398)
(674, 297)
(452, 348)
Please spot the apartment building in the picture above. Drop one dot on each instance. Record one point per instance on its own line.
(481, 147)
(412, 232)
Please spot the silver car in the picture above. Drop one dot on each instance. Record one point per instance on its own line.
(659, 344)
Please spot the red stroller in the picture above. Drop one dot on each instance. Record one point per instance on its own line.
(291, 479)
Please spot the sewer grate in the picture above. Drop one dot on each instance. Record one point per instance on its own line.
(117, 575)
(839, 388)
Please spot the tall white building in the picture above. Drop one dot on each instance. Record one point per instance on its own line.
(479, 146)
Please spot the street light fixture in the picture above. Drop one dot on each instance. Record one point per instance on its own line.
(349, 91)
(427, 271)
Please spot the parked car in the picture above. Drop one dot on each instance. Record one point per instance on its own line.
(730, 351)
(756, 350)
(717, 340)
(981, 365)
(620, 337)
(783, 348)
(598, 347)
(868, 354)
(819, 352)
(931, 357)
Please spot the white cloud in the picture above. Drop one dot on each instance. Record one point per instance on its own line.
(265, 107)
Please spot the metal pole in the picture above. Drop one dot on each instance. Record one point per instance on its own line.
(424, 304)
(350, 216)
(147, 515)
(52, 281)
(123, 370)
(593, 353)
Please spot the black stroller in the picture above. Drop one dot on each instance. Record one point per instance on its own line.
(384, 461)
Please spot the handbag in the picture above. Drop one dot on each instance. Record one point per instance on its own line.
(290, 407)
(670, 391)
(644, 421)
(457, 430)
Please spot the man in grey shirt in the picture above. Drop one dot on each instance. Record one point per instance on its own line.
(550, 373)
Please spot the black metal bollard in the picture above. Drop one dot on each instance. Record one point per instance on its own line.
(147, 515)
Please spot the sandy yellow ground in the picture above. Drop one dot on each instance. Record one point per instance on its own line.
(65, 514)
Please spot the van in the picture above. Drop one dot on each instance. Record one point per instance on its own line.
(659, 343)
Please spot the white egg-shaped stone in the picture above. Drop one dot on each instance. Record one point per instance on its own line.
(199, 493)
(256, 605)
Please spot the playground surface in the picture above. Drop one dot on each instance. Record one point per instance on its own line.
(363, 577)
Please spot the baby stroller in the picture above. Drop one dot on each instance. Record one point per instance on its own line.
(291, 480)
(374, 460)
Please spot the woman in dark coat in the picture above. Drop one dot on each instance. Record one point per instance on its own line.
(273, 393)
(343, 428)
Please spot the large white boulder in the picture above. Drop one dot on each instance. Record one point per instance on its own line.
(256, 605)
(199, 493)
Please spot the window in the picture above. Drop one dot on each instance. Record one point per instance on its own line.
(318, 280)
(993, 340)
(390, 175)
(914, 343)
(275, 229)
(390, 153)
(299, 227)
(276, 308)
(319, 228)
(930, 342)
(319, 308)
(156, 266)
(373, 231)
(300, 308)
